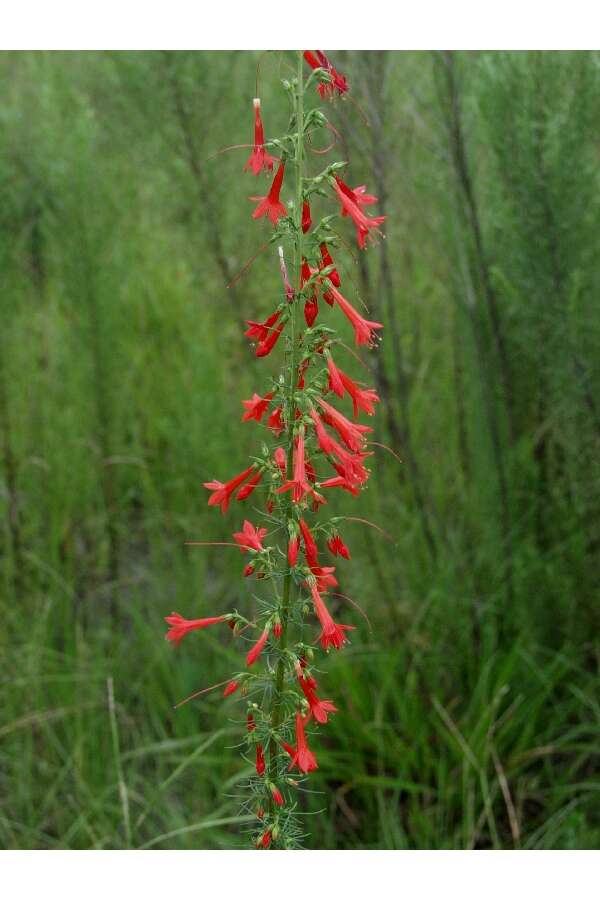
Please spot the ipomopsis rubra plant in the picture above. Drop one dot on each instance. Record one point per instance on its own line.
(316, 449)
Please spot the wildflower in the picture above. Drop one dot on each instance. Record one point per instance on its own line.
(277, 795)
(342, 482)
(264, 842)
(277, 630)
(351, 203)
(299, 484)
(302, 372)
(352, 434)
(271, 206)
(259, 158)
(255, 651)
(362, 398)
(335, 382)
(306, 219)
(293, 547)
(327, 261)
(280, 458)
(231, 688)
(332, 634)
(250, 538)
(260, 760)
(319, 708)
(338, 547)
(310, 547)
(301, 756)
(265, 346)
(324, 577)
(260, 330)
(248, 570)
(180, 626)
(246, 489)
(364, 330)
(337, 81)
(274, 422)
(222, 493)
(256, 407)
(311, 305)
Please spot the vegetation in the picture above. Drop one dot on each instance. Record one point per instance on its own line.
(469, 713)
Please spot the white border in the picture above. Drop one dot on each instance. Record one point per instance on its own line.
(253, 24)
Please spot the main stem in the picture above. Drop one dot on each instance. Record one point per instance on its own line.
(290, 413)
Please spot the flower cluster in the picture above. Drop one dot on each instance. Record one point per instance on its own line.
(316, 448)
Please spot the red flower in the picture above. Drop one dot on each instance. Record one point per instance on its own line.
(324, 577)
(310, 546)
(231, 688)
(265, 842)
(302, 372)
(299, 485)
(338, 82)
(332, 634)
(362, 398)
(259, 158)
(222, 493)
(352, 434)
(274, 421)
(342, 482)
(180, 626)
(260, 760)
(306, 219)
(364, 330)
(277, 630)
(250, 538)
(338, 547)
(319, 708)
(301, 756)
(264, 347)
(255, 651)
(293, 547)
(327, 261)
(248, 570)
(311, 305)
(256, 407)
(335, 382)
(280, 458)
(246, 489)
(277, 795)
(271, 206)
(351, 202)
(260, 330)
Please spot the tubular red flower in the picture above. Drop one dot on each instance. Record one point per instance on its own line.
(301, 756)
(256, 407)
(260, 330)
(311, 305)
(338, 547)
(319, 708)
(231, 688)
(180, 626)
(352, 434)
(327, 261)
(277, 630)
(222, 493)
(280, 458)
(274, 422)
(255, 651)
(339, 383)
(271, 206)
(260, 760)
(364, 330)
(277, 795)
(259, 158)
(306, 219)
(351, 203)
(335, 382)
(338, 82)
(250, 538)
(299, 485)
(332, 634)
(341, 482)
(293, 547)
(310, 546)
(246, 489)
(263, 348)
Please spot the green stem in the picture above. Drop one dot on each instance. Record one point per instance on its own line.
(276, 708)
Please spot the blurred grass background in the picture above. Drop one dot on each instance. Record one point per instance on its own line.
(469, 711)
